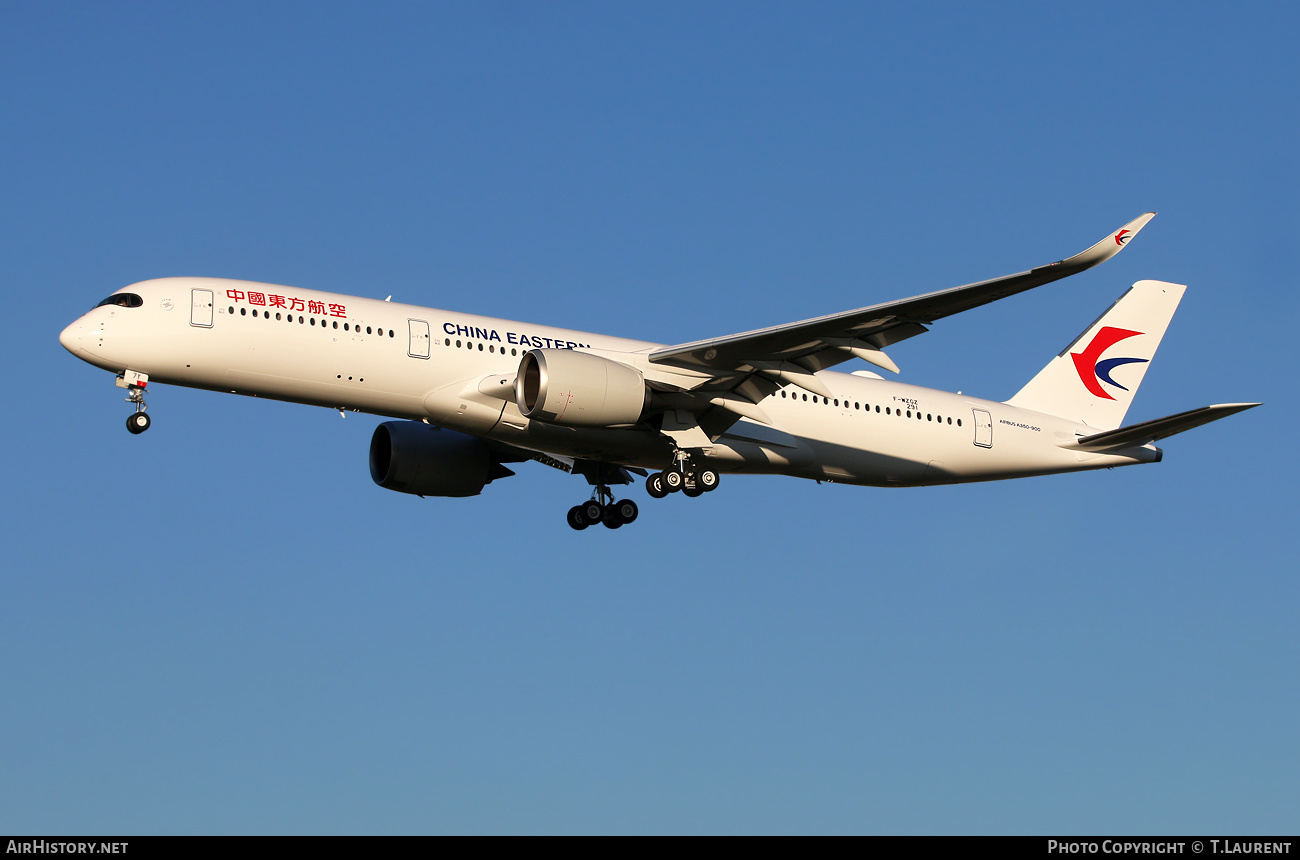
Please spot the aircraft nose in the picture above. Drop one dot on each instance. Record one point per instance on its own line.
(70, 337)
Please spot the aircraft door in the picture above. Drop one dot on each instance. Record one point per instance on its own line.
(201, 308)
(983, 428)
(419, 338)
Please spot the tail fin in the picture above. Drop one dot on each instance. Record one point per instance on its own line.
(1093, 380)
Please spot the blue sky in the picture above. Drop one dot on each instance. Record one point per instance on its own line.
(223, 626)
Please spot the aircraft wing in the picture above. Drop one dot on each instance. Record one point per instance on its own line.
(751, 365)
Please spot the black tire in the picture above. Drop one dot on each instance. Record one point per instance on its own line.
(673, 480)
(610, 518)
(707, 480)
(627, 511)
(138, 422)
(576, 520)
(654, 485)
(592, 511)
(692, 491)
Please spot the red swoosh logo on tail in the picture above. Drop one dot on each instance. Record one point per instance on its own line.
(1086, 362)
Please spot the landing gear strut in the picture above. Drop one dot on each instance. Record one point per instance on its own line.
(134, 383)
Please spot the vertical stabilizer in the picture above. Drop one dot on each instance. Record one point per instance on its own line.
(1094, 379)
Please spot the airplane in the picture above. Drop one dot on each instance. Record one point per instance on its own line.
(474, 393)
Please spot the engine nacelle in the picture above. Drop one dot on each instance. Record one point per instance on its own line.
(577, 389)
(411, 457)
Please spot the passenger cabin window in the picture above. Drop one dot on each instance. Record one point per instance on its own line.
(125, 300)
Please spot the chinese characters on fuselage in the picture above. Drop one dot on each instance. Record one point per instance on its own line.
(289, 303)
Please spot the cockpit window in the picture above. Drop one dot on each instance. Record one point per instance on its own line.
(126, 300)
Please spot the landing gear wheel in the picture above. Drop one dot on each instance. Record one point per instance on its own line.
(592, 512)
(138, 422)
(673, 480)
(654, 485)
(707, 480)
(577, 521)
(626, 510)
(610, 518)
(692, 491)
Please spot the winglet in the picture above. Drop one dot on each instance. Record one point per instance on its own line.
(1108, 247)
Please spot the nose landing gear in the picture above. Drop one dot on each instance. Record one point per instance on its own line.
(134, 383)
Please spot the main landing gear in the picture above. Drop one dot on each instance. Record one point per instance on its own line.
(610, 513)
(134, 383)
(602, 508)
(684, 476)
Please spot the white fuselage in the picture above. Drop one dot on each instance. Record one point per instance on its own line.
(419, 363)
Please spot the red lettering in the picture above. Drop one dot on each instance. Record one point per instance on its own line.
(235, 295)
(275, 301)
(338, 311)
(257, 299)
(297, 305)
(315, 307)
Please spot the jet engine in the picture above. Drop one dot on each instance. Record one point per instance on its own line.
(412, 457)
(577, 389)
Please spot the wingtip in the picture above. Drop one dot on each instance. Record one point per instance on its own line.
(1111, 245)
(1139, 222)
(1121, 237)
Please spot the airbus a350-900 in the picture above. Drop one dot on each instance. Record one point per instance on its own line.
(475, 393)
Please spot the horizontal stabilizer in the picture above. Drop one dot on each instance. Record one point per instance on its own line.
(1150, 431)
